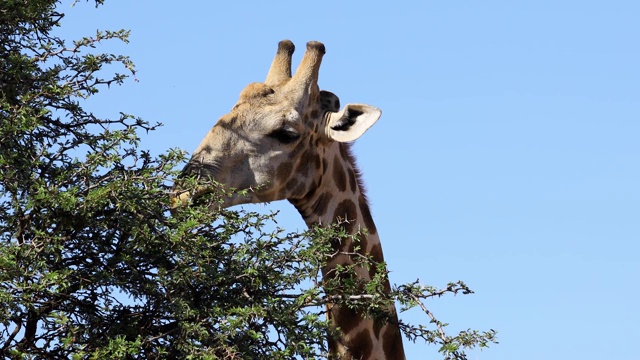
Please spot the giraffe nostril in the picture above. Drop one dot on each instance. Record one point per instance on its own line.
(193, 168)
(186, 171)
(189, 170)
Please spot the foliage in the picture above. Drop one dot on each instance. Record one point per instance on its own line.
(93, 264)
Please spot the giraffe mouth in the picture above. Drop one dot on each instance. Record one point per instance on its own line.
(208, 181)
(184, 198)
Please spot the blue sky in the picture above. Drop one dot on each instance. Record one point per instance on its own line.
(507, 155)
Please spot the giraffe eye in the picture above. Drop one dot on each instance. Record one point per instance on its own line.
(285, 136)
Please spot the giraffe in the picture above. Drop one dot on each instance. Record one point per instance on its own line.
(288, 140)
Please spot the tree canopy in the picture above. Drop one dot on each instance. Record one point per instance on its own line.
(93, 264)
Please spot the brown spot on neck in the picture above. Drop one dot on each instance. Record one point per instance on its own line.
(352, 180)
(344, 318)
(319, 207)
(346, 213)
(392, 340)
(366, 216)
(283, 172)
(362, 345)
(339, 176)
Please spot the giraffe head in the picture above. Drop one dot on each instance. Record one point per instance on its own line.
(274, 138)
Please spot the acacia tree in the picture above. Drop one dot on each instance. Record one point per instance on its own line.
(94, 265)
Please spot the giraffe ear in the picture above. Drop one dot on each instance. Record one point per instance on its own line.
(351, 122)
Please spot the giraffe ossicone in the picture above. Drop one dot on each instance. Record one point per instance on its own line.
(287, 139)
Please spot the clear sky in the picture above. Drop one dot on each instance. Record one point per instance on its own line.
(507, 155)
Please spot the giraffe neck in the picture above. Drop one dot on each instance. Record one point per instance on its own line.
(339, 197)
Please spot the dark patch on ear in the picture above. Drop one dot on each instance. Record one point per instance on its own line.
(329, 101)
(348, 118)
